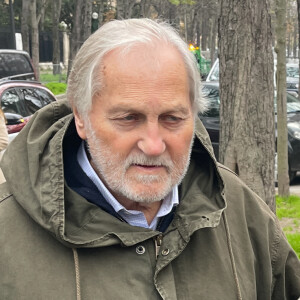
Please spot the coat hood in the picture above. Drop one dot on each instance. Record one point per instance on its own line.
(34, 170)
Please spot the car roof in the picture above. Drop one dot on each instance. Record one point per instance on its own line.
(214, 84)
(14, 51)
(4, 84)
(6, 81)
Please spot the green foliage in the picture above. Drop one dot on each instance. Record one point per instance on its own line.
(294, 240)
(288, 207)
(49, 77)
(57, 88)
(288, 229)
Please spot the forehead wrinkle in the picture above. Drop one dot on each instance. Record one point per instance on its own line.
(139, 63)
(124, 107)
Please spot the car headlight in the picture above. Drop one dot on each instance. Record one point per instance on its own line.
(294, 128)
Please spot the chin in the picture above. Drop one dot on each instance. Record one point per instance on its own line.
(147, 193)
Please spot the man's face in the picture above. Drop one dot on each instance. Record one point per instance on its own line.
(140, 129)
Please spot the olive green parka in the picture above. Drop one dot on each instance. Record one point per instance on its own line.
(223, 243)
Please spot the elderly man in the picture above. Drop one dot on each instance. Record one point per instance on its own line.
(122, 198)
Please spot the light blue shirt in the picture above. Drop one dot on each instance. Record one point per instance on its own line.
(132, 217)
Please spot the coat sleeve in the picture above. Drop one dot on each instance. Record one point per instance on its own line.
(286, 270)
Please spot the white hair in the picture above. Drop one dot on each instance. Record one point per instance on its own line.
(85, 80)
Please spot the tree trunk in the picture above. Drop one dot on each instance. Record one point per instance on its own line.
(87, 19)
(185, 24)
(213, 35)
(120, 9)
(205, 32)
(56, 8)
(35, 45)
(247, 135)
(145, 8)
(35, 38)
(198, 34)
(298, 10)
(25, 21)
(295, 39)
(76, 38)
(102, 5)
(282, 133)
(191, 25)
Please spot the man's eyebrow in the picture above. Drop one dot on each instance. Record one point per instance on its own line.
(128, 108)
(181, 109)
(178, 109)
(122, 109)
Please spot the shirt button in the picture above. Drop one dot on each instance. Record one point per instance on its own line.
(140, 249)
(165, 252)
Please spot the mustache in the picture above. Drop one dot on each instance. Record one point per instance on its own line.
(141, 159)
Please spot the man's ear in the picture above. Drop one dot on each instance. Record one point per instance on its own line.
(79, 123)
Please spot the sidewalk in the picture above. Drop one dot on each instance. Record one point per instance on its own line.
(294, 187)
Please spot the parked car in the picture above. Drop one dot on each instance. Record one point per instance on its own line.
(20, 100)
(292, 79)
(292, 75)
(211, 121)
(16, 64)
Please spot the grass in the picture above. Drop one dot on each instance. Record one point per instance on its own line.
(289, 208)
(49, 77)
(294, 240)
(55, 83)
(56, 88)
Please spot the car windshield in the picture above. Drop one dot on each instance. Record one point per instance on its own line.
(12, 64)
(292, 71)
(292, 104)
(214, 76)
(212, 95)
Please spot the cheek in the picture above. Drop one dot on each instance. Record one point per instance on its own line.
(118, 143)
(179, 146)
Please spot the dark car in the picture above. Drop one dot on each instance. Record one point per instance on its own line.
(211, 121)
(20, 100)
(16, 64)
(292, 79)
(292, 75)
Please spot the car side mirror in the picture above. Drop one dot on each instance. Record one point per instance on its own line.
(13, 119)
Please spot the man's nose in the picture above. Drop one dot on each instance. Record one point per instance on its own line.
(152, 142)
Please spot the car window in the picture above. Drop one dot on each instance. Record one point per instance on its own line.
(25, 101)
(45, 96)
(33, 100)
(13, 64)
(292, 71)
(212, 95)
(214, 72)
(12, 103)
(292, 103)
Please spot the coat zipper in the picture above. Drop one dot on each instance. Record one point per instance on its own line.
(157, 241)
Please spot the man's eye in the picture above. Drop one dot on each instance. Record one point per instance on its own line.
(171, 119)
(130, 118)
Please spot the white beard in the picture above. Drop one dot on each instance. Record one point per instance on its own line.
(112, 168)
